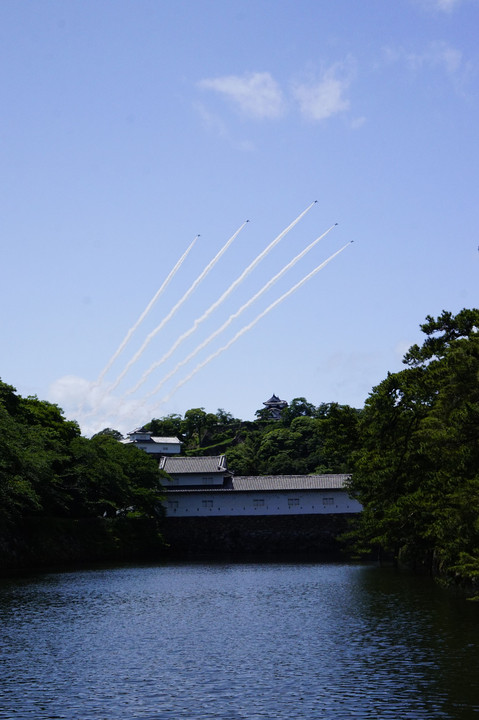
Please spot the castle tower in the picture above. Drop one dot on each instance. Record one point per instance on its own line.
(275, 406)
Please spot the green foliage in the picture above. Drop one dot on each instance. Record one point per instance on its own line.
(307, 439)
(417, 469)
(263, 414)
(224, 417)
(338, 431)
(169, 426)
(441, 332)
(110, 432)
(195, 426)
(48, 469)
(298, 407)
(242, 458)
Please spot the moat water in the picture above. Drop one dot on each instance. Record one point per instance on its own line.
(236, 641)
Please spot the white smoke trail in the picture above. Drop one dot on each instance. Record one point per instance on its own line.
(137, 324)
(218, 302)
(175, 308)
(145, 312)
(250, 325)
(233, 316)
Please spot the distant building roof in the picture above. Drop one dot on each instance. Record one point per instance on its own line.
(150, 438)
(275, 406)
(275, 400)
(271, 483)
(290, 482)
(182, 465)
(167, 440)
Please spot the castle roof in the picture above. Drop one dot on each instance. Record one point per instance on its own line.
(182, 465)
(148, 438)
(275, 400)
(290, 482)
(273, 483)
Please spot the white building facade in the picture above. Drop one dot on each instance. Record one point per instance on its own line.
(203, 487)
(156, 446)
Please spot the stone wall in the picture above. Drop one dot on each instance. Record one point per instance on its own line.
(44, 541)
(301, 535)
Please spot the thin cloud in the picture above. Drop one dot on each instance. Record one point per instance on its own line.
(256, 95)
(216, 125)
(71, 392)
(441, 6)
(320, 100)
(212, 121)
(437, 55)
(358, 122)
(446, 6)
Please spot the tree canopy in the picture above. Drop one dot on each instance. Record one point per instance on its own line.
(306, 439)
(417, 467)
(47, 468)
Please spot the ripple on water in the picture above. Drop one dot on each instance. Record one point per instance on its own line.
(234, 642)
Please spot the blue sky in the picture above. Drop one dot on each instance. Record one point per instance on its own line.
(127, 128)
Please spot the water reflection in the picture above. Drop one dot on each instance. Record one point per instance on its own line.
(235, 641)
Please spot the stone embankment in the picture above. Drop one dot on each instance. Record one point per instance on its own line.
(305, 535)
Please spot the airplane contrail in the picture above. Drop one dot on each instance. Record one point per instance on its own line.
(233, 316)
(218, 302)
(175, 308)
(253, 323)
(143, 315)
(145, 312)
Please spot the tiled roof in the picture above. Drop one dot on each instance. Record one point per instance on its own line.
(167, 440)
(290, 482)
(271, 483)
(182, 465)
(274, 399)
(147, 438)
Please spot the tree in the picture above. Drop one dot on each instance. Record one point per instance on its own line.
(441, 332)
(277, 452)
(298, 407)
(195, 426)
(9, 400)
(338, 437)
(47, 436)
(108, 478)
(308, 443)
(242, 458)
(17, 477)
(223, 417)
(168, 426)
(109, 432)
(263, 415)
(144, 481)
(417, 469)
(49, 472)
